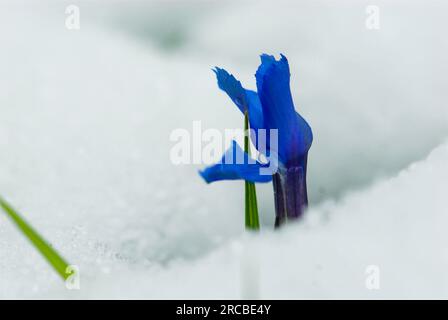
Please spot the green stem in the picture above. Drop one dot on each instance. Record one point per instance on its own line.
(251, 208)
(55, 260)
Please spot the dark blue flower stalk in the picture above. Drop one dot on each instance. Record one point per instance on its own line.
(270, 108)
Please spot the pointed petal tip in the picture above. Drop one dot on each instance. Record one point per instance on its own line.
(264, 57)
(268, 59)
(223, 77)
(204, 176)
(220, 72)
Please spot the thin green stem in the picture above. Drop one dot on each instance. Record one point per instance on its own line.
(50, 254)
(251, 208)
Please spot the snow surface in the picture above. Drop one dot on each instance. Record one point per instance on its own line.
(85, 119)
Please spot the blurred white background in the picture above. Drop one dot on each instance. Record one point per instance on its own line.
(85, 118)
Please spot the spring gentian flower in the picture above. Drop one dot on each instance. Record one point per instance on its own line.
(271, 107)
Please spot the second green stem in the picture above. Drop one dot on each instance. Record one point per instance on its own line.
(251, 207)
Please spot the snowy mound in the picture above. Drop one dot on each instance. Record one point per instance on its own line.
(397, 227)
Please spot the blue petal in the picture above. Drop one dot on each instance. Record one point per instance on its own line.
(236, 165)
(294, 133)
(243, 98)
(266, 62)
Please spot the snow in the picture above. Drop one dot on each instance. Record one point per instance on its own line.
(85, 119)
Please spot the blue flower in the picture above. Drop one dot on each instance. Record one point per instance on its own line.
(270, 108)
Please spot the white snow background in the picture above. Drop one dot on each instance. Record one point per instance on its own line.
(85, 120)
